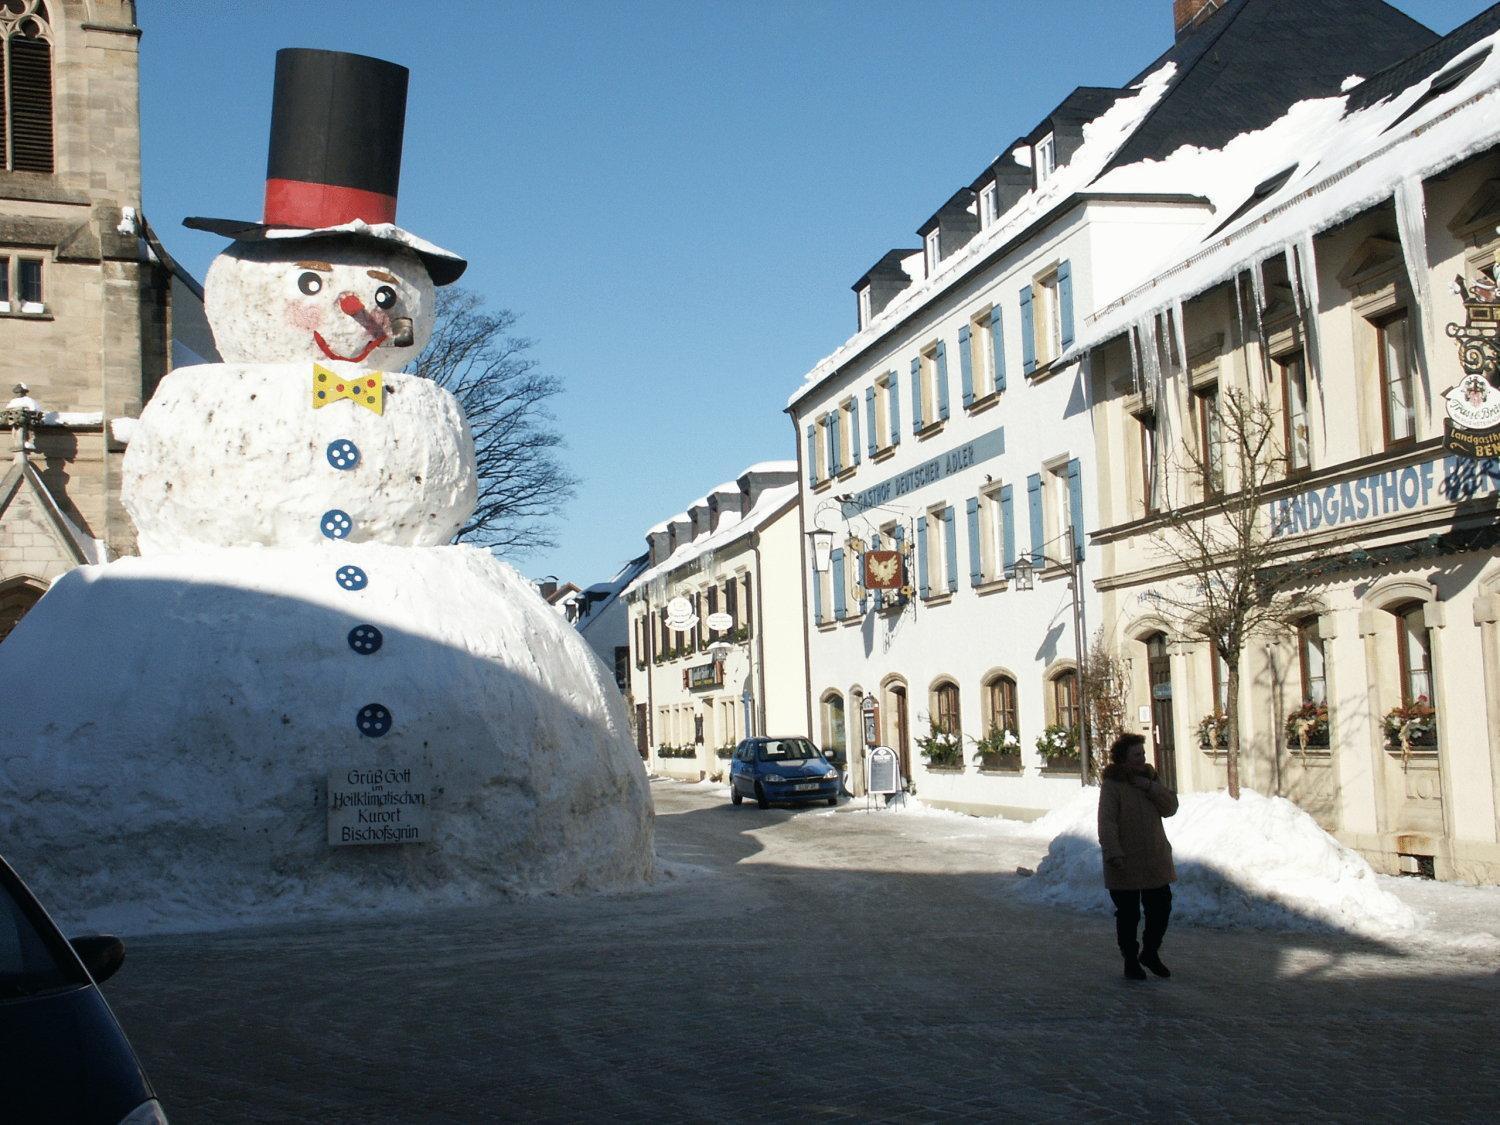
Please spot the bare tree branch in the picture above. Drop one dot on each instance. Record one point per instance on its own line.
(522, 483)
(1219, 541)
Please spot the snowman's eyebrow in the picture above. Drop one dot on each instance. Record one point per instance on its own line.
(324, 266)
(381, 275)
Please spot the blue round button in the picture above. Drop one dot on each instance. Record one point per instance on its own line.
(336, 524)
(351, 578)
(374, 720)
(343, 454)
(365, 639)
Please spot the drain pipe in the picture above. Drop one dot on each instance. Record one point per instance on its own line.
(760, 637)
(802, 577)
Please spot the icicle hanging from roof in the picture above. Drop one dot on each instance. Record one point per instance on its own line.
(1411, 224)
(1258, 290)
(1180, 335)
(1302, 267)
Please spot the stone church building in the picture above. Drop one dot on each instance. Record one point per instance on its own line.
(93, 312)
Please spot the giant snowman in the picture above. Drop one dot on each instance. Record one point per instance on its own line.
(299, 698)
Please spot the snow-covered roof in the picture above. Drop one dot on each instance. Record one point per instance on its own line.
(1231, 73)
(1101, 138)
(769, 505)
(1342, 161)
(601, 595)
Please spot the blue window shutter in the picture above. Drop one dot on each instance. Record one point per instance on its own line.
(942, 379)
(1075, 504)
(1065, 302)
(835, 442)
(966, 364)
(1028, 333)
(976, 557)
(922, 555)
(854, 429)
(870, 418)
(950, 548)
(894, 386)
(1007, 529)
(1034, 498)
(817, 593)
(916, 394)
(997, 348)
(877, 595)
(812, 455)
(836, 564)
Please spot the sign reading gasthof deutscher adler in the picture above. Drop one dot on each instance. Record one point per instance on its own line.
(378, 805)
(1472, 428)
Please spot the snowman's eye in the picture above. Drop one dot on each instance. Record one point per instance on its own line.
(385, 297)
(310, 283)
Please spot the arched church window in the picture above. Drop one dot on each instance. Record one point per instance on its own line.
(26, 86)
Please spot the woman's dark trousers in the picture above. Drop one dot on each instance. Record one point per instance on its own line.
(1128, 904)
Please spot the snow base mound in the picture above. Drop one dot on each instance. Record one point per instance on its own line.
(1259, 862)
(173, 774)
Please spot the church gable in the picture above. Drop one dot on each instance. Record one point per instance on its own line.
(34, 540)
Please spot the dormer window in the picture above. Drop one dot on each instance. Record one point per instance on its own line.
(930, 246)
(1044, 159)
(864, 306)
(989, 206)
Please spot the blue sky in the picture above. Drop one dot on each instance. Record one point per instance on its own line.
(675, 197)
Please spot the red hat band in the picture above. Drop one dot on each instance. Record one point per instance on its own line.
(309, 206)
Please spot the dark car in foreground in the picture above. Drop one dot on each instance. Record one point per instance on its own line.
(63, 1056)
(781, 769)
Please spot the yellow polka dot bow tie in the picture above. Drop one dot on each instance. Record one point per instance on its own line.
(367, 388)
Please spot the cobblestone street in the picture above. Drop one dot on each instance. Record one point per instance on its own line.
(803, 964)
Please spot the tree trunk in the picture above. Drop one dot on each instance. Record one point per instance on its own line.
(1232, 711)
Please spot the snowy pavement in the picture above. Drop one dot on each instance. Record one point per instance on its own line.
(825, 964)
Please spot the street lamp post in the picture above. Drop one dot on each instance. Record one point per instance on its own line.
(1023, 573)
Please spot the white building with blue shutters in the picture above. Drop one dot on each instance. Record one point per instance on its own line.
(949, 427)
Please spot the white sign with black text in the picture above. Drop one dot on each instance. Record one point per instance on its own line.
(378, 805)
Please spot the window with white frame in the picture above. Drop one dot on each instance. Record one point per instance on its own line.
(883, 411)
(1152, 485)
(1046, 317)
(1397, 362)
(1210, 439)
(930, 246)
(982, 352)
(1297, 426)
(937, 552)
(1311, 661)
(993, 499)
(864, 306)
(1057, 508)
(846, 435)
(929, 369)
(824, 465)
(989, 205)
(1044, 158)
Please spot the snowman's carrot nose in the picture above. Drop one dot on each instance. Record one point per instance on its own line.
(351, 304)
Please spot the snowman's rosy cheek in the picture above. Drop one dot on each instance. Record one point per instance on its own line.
(304, 314)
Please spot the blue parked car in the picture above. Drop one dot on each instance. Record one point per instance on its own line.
(781, 769)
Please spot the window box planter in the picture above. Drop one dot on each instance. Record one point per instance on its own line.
(999, 762)
(1411, 729)
(1307, 727)
(1058, 746)
(1213, 731)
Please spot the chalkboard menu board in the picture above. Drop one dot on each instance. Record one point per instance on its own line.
(882, 774)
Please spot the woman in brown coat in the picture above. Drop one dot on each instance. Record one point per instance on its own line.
(1138, 867)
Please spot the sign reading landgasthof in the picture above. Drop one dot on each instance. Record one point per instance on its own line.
(1384, 493)
(378, 805)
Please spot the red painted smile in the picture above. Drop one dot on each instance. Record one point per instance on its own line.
(359, 358)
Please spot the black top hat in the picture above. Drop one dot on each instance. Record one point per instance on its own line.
(335, 162)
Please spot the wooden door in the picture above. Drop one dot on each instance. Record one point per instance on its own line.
(903, 731)
(1159, 673)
